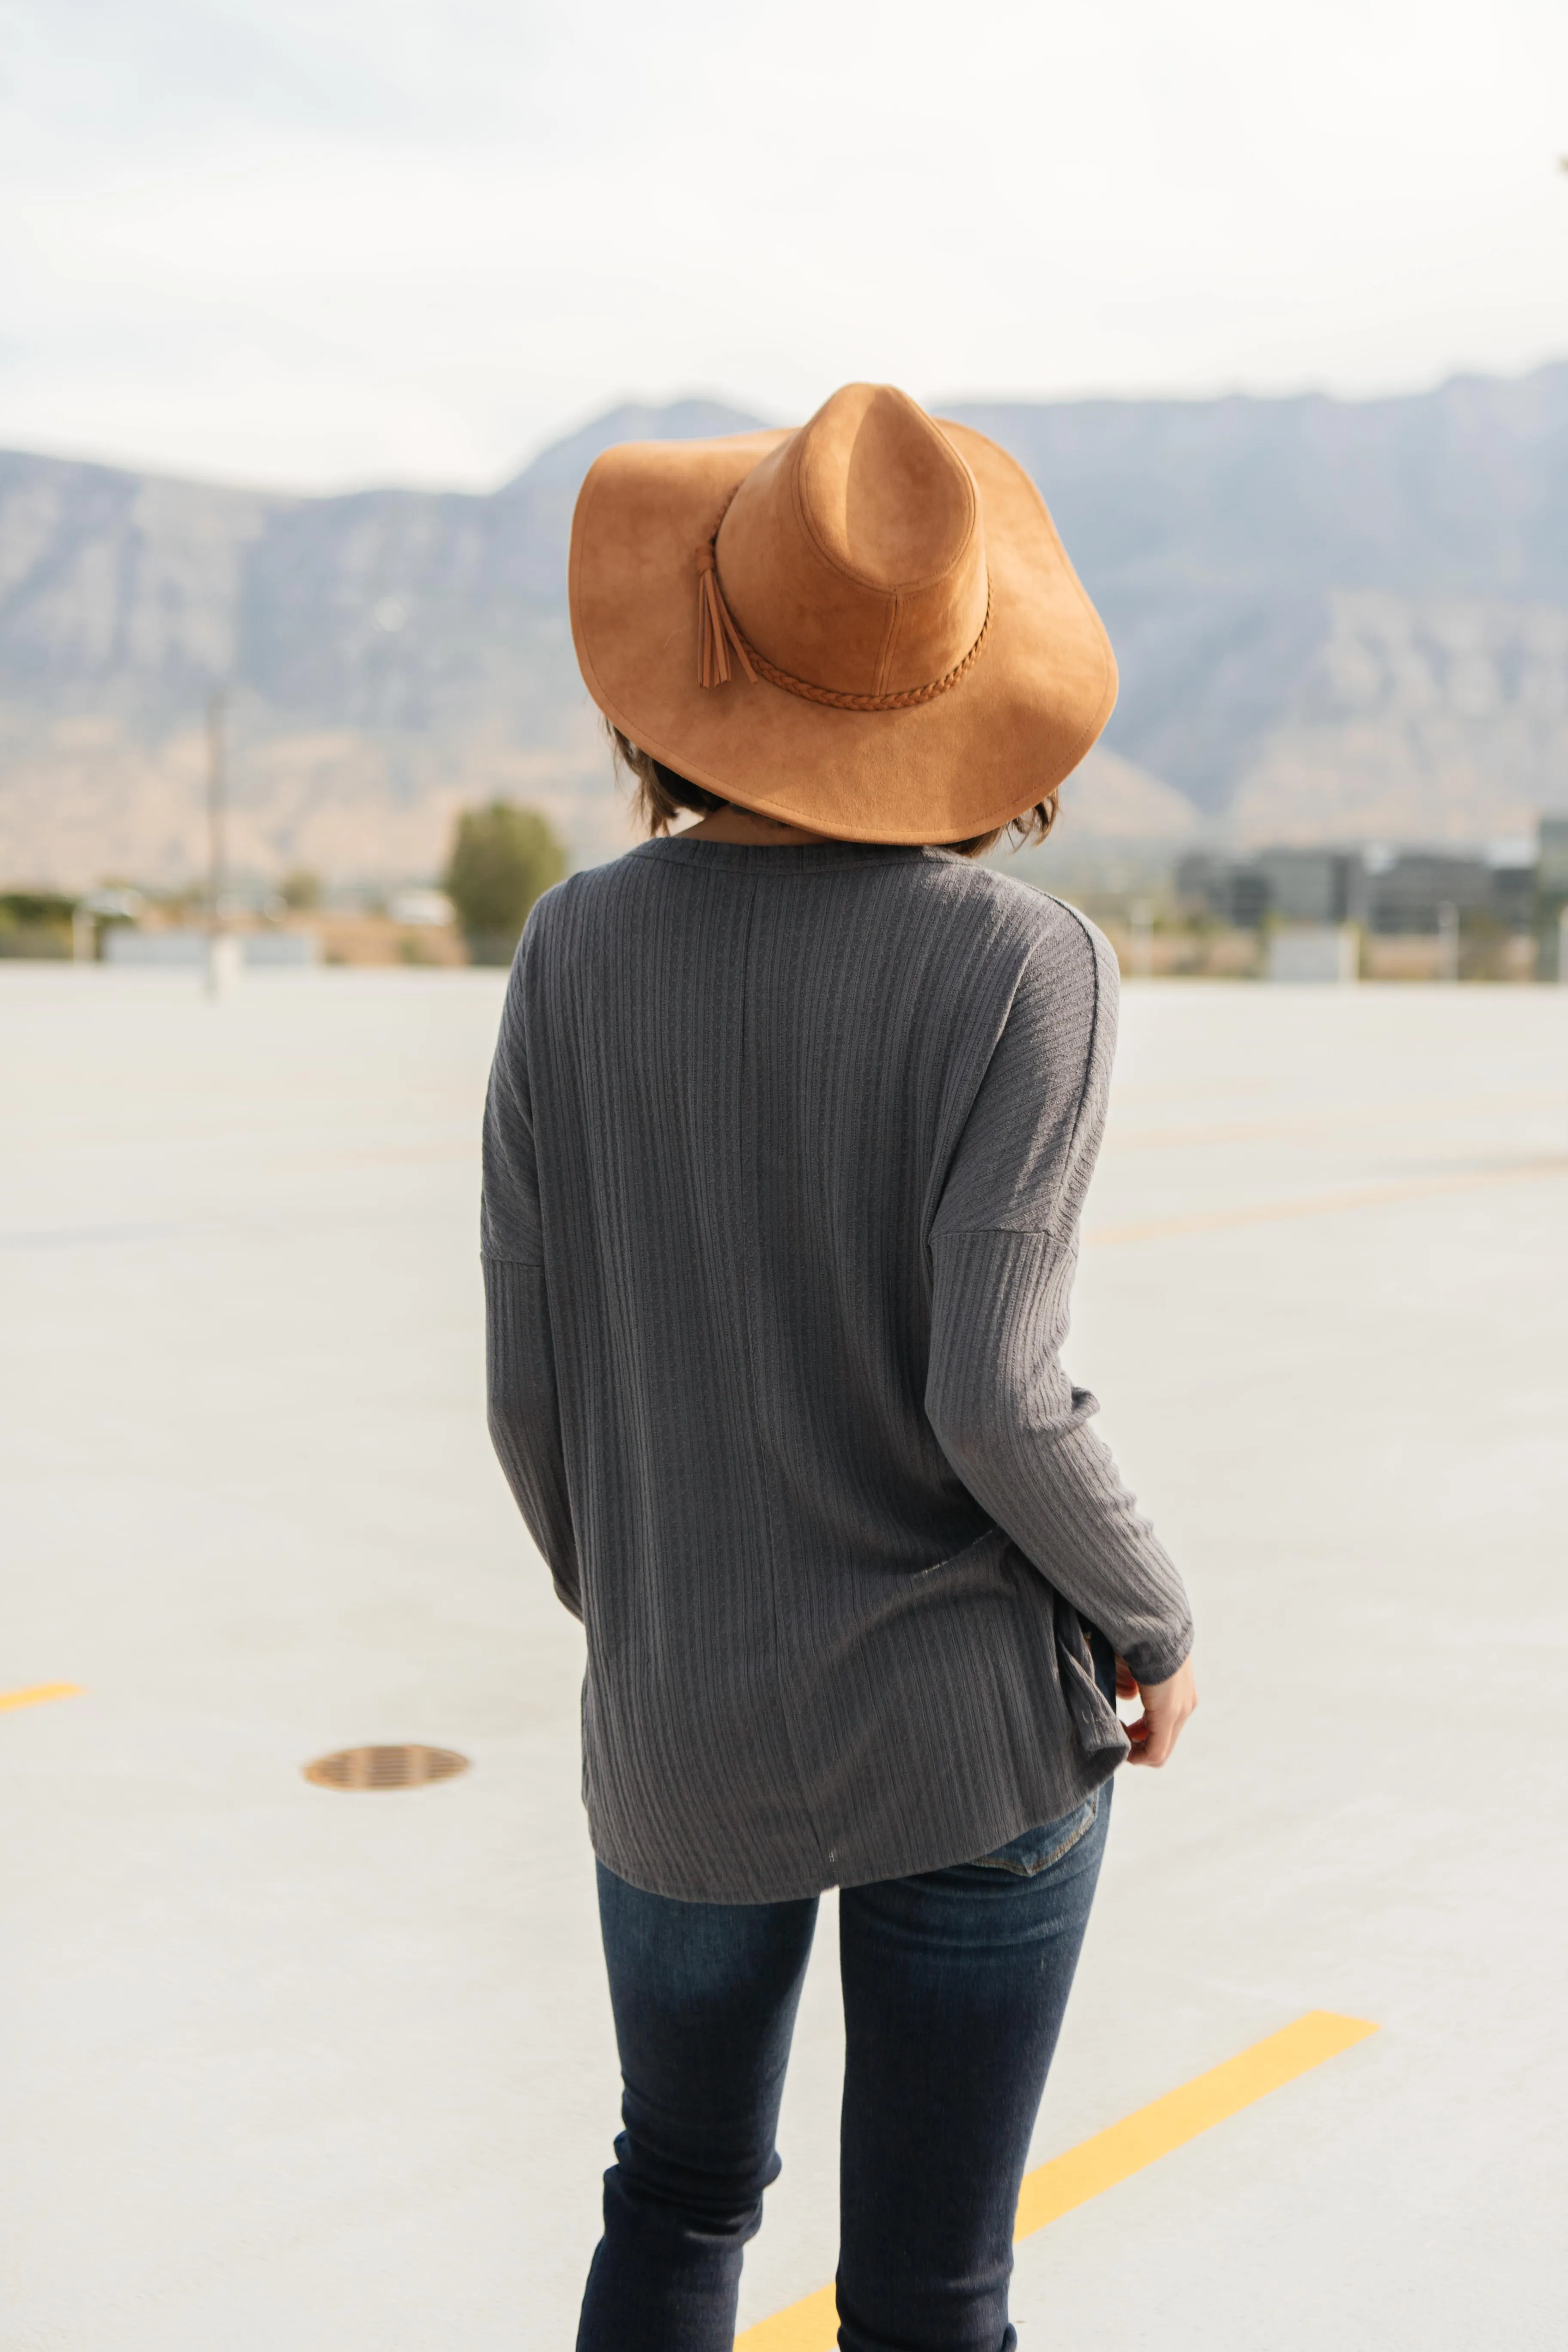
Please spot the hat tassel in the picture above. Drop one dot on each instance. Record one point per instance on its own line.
(716, 631)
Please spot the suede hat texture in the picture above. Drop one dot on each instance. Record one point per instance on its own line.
(866, 626)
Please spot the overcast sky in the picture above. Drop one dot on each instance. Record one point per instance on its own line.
(320, 241)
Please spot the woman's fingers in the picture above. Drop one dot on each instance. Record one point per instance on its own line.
(1150, 1744)
(1166, 1707)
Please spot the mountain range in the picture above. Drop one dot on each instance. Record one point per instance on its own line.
(1334, 619)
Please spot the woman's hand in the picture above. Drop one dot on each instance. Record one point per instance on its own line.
(1166, 1707)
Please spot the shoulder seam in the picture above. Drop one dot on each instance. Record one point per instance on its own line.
(1089, 940)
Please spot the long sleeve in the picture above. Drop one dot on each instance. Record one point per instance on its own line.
(519, 1359)
(1003, 1249)
(525, 1415)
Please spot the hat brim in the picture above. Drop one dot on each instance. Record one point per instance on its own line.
(966, 761)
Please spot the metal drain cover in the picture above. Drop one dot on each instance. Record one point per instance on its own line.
(385, 1767)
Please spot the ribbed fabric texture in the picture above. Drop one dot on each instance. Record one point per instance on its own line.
(785, 1154)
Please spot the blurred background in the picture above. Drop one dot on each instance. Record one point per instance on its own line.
(314, 319)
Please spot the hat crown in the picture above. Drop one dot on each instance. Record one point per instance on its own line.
(852, 556)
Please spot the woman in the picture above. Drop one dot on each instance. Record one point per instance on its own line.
(789, 1128)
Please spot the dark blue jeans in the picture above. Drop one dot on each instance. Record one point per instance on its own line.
(954, 1985)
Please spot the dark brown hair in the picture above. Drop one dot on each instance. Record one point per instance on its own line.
(659, 796)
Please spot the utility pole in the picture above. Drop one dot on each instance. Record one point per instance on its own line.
(1143, 939)
(1448, 941)
(222, 949)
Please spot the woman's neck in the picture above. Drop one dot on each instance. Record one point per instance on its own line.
(746, 829)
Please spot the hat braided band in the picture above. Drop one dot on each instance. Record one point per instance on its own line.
(718, 631)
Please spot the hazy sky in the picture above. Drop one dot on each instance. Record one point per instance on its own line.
(330, 241)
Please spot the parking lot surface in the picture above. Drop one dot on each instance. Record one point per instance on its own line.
(289, 2069)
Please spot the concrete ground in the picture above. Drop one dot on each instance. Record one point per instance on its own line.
(286, 2070)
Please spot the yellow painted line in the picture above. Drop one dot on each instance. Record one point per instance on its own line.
(39, 1694)
(1113, 2156)
(809, 2326)
(1097, 2164)
(1321, 1205)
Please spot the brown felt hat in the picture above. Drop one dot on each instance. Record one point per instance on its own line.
(866, 626)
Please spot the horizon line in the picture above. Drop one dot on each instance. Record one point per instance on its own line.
(583, 421)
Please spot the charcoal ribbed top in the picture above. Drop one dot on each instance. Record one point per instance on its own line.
(785, 1154)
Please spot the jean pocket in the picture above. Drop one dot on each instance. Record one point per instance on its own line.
(1035, 1850)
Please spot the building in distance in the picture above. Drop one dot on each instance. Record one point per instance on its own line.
(1387, 893)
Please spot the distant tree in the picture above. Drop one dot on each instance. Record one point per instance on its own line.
(503, 859)
(302, 890)
(35, 923)
(35, 907)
